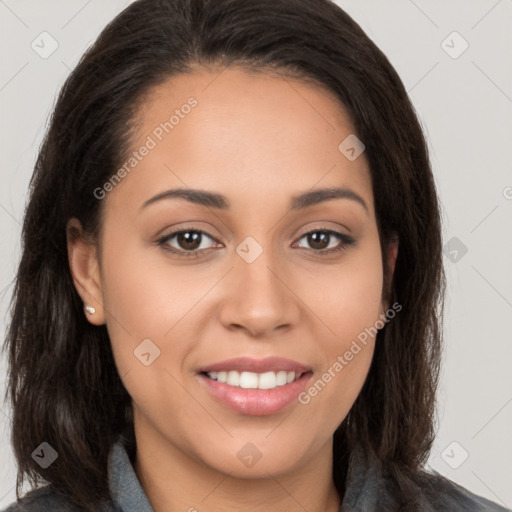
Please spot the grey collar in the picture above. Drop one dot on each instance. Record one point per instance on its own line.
(125, 486)
(367, 490)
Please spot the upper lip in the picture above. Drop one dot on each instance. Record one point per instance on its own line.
(268, 364)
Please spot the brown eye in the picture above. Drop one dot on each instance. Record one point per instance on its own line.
(187, 242)
(320, 239)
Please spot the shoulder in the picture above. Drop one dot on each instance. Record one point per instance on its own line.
(372, 486)
(41, 500)
(45, 499)
(443, 494)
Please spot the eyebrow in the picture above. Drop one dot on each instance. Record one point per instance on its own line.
(216, 200)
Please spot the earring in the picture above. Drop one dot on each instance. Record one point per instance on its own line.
(89, 309)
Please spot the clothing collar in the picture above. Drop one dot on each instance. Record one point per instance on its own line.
(364, 487)
(125, 487)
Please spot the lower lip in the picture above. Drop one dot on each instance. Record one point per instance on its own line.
(256, 402)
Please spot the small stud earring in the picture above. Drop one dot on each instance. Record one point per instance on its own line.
(90, 310)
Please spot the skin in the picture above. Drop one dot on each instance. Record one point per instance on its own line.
(258, 139)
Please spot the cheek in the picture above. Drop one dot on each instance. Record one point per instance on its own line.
(349, 304)
(337, 388)
(142, 291)
(146, 308)
(346, 298)
(144, 300)
(346, 361)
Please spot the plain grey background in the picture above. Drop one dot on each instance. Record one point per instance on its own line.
(455, 59)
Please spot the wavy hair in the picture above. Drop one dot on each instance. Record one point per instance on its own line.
(63, 383)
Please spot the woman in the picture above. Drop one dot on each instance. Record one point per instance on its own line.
(231, 281)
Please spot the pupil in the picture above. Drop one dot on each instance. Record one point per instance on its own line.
(313, 239)
(188, 241)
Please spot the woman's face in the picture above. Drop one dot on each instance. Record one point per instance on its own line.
(246, 281)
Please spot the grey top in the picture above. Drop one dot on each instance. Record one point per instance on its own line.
(366, 491)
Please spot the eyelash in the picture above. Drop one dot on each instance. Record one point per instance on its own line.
(345, 240)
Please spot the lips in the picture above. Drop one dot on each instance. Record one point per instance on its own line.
(255, 387)
(247, 364)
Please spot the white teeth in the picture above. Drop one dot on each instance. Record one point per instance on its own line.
(267, 380)
(251, 380)
(281, 378)
(233, 379)
(248, 380)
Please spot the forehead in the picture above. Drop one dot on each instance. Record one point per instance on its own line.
(250, 133)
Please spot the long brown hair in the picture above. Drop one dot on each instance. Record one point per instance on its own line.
(63, 383)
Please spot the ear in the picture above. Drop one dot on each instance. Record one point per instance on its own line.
(392, 253)
(84, 266)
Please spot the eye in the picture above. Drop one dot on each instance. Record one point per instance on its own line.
(320, 239)
(190, 241)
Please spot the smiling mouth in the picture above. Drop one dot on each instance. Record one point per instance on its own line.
(255, 387)
(252, 380)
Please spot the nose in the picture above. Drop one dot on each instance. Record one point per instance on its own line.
(258, 297)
